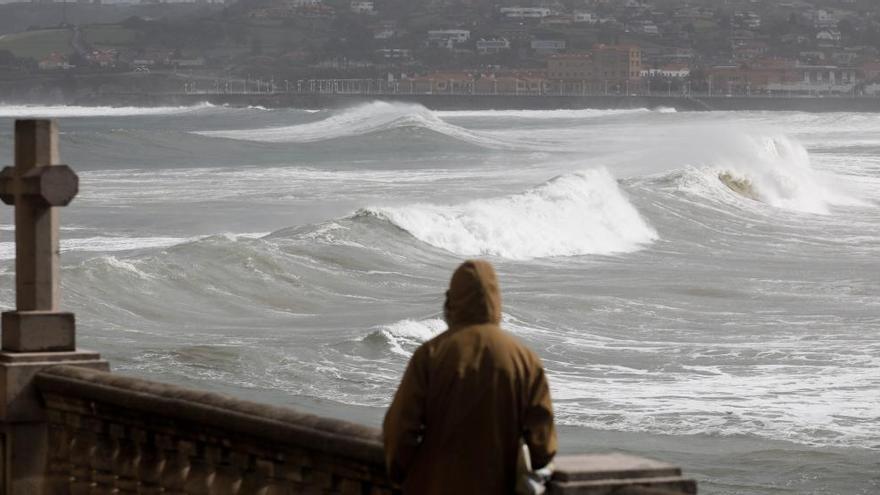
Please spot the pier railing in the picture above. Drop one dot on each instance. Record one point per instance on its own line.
(70, 427)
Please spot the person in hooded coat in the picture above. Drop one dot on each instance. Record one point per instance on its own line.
(467, 400)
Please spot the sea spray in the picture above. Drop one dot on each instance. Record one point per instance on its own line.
(775, 170)
(570, 215)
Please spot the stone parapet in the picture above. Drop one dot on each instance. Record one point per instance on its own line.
(117, 434)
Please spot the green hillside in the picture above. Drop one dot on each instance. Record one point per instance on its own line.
(38, 44)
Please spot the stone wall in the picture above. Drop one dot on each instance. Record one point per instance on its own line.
(115, 434)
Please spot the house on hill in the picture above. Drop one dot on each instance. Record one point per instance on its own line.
(55, 61)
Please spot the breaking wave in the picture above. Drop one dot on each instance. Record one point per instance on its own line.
(576, 214)
(368, 118)
(773, 170)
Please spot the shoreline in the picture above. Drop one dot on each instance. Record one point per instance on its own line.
(498, 102)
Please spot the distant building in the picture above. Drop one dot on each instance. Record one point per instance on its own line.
(525, 12)
(362, 7)
(395, 53)
(669, 71)
(621, 62)
(828, 38)
(440, 83)
(585, 17)
(557, 20)
(548, 47)
(823, 19)
(644, 27)
(384, 34)
(512, 83)
(492, 46)
(55, 61)
(783, 75)
(749, 49)
(448, 38)
(187, 62)
(604, 68)
(102, 58)
(572, 66)
(747, 20)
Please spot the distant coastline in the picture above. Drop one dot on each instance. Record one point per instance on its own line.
(500, 102)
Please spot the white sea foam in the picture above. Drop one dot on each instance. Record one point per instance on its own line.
(575, 214)
(821, 406)
(102, 244)
(403, 336)
(585, 113)
(17, 111)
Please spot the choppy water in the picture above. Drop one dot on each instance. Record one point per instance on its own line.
(702, 287)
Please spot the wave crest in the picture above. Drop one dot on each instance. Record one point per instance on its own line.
(362, 119)
(570, 215)
(404, 336)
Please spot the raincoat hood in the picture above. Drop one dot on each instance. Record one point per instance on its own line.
(473, 297)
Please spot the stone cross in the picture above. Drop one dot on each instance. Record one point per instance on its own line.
(36, 185)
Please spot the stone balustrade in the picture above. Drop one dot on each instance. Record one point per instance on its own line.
(115, 434)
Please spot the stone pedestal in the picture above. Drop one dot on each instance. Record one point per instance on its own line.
(23, 427)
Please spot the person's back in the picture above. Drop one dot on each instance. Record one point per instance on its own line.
(467, 399)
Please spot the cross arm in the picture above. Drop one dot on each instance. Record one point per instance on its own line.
(55, 185)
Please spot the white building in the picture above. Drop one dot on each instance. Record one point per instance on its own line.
(548, 47)
(824, 19)
(820, 79)
(670, 71)
(362, 7)
(828, 37)
(448, 38)
(492, 46)
(586, 17)
(395, 53)
(384, 34)
(525, 12)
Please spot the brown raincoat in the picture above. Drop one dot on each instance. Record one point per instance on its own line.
(467, 398)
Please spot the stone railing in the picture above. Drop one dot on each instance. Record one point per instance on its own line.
(115, 434)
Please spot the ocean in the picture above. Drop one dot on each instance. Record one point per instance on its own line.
(703, 288)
